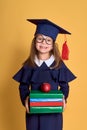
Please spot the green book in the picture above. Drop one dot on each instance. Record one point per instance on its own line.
(51, 94)
(39, 110)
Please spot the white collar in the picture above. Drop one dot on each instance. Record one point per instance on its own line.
(48, 61)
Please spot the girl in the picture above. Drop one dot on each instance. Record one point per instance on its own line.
(44, 65)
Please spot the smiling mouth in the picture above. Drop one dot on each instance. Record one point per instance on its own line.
(42, 47)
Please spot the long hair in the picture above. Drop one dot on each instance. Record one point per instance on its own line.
(33, 51)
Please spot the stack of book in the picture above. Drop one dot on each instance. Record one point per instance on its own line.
(41, 102)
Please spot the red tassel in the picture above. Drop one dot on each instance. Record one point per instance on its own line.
(65, 51)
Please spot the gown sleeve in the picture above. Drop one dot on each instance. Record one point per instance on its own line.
(65, 76)
(24, 92)
(64, 87)
(23, 76)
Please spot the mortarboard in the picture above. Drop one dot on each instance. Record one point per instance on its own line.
(48, 28)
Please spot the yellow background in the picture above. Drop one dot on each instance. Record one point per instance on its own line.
(15, 38)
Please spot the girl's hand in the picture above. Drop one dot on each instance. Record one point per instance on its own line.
(64, 103)
(27, 105)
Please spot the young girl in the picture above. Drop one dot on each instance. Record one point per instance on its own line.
(44, 65)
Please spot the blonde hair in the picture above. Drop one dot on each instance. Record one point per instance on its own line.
(55, 51)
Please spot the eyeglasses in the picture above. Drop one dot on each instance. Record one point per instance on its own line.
(40, 39)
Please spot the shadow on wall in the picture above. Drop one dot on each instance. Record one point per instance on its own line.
(12, 111)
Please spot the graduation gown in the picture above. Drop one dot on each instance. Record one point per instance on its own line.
(35, 76)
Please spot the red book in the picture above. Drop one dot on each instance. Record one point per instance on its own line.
(46, 104)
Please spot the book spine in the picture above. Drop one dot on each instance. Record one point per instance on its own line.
(46, 104)
(46, 110)
(45, 99)
(39, 95)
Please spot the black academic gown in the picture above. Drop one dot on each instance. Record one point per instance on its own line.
(35, 77)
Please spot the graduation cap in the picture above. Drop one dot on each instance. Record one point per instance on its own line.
(48, 28)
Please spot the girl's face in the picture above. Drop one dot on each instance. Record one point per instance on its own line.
(44, 44)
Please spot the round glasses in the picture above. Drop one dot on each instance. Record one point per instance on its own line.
(41, 38)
